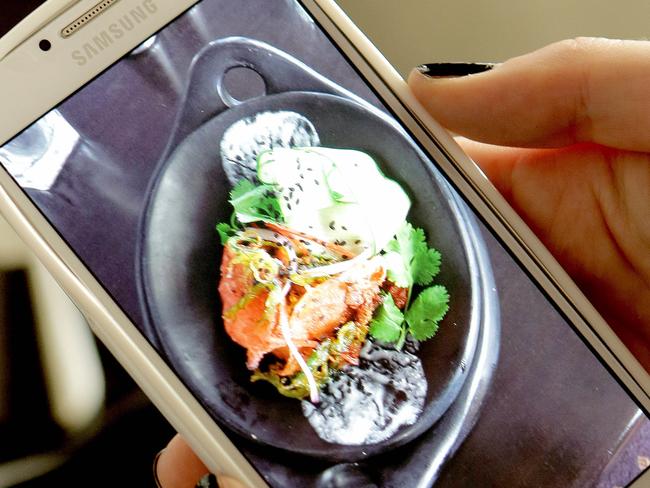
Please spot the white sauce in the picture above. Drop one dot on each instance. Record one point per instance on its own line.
(369, 403)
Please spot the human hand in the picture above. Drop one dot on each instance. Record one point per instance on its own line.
(178, 467)
(564, 135)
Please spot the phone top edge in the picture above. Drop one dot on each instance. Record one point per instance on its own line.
(33, 79)
(32, 24)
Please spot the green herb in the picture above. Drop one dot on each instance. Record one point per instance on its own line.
(410, 261)
(427, 311)
(226, 231)
(387, 323)
(254, 203)
(419, 262)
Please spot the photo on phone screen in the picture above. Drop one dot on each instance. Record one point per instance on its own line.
(303, 267)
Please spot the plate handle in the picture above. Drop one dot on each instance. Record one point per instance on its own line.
(205, 96)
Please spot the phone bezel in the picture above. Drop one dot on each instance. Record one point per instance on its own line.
(27, 98)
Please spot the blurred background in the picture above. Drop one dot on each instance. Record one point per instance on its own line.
(69, 414)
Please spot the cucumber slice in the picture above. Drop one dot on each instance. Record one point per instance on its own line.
(339, 195)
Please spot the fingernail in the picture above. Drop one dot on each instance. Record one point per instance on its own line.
(155, 469)
(436, 70)
(208, 481)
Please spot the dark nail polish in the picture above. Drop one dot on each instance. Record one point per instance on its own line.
(208, 481)
(453, 69)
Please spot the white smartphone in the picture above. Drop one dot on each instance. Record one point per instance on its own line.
(295, 262)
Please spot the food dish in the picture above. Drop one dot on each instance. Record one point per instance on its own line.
(183, 314)
(317, 256)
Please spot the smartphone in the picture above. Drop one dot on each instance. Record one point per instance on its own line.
(298, 265)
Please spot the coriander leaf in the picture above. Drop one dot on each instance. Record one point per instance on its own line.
(253, 203)
(386, 325)
(427, 310)
(421, 262)
(426, 265)
(225, 231)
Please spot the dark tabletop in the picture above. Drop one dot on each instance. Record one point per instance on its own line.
(552, 416)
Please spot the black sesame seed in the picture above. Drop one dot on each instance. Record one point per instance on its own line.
(310, 169)
(302, 177)
(289, 206)
(343, 243)
(316, 181)
(344, 227)
(331, 225)
(291, 189)
(286, 198)
(299, 186)
(358, 241)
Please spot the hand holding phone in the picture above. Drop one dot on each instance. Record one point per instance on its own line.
(565, 141)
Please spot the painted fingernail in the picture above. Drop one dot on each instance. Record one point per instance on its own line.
(436, 70)
(208, 481)
(155, 469)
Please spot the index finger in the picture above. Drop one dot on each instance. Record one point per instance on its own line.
(582, 90)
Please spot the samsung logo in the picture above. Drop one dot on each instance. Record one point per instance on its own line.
(115, 31)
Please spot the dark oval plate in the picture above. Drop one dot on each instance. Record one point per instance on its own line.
(180, 255)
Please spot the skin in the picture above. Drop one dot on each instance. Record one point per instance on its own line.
(564, 134)
(178, 467)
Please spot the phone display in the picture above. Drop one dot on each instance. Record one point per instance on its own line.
(306, 270)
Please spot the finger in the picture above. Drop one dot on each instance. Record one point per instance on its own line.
(178, 466)
(581, 90)
(587, 204)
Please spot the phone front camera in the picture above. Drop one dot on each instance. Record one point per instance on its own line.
(45, 45)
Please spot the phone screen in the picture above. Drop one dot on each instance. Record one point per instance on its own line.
(307, 272)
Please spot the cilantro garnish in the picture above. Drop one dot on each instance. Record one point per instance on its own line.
(427, 310)
(387, 323)
(410, 261)
(226, 231)
(251, 203)
(254, 203)
(420, 262)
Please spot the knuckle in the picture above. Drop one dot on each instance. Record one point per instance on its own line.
(583, 46)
